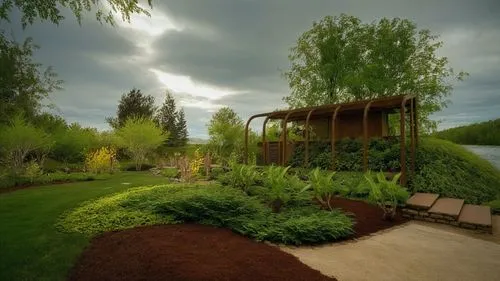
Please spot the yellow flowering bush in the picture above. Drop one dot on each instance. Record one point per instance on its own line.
(189, 168)
(101, 161)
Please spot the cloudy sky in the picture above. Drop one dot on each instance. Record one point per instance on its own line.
(232, 53)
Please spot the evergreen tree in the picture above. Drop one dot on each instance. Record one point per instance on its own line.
(134, 104)
(182, 128)
(167, 119)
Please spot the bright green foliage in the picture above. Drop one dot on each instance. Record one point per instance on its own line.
(387, 194)
(170, 172)
(33, 171)
(282, 188)
(73, 143)
(20, 139)
(484, 133)
(242, 176)
(140, 137)
(216, 173)
(341, 59)
(51, 9)
(453, 171)
(108, 214)
(207, 204)
(226, 131)
(324, 188)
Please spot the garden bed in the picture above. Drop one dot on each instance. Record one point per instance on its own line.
(368, 217)
(186, 252)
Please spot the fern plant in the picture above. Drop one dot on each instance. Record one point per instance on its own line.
(323, 187)
(243, 176)
(387, 194)
(277, 182)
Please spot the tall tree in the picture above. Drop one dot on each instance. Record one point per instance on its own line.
(51, 9)
(167, 119)
(226, 132)
(134, 104)
(23, 82)
(181, 128)
(341, 59)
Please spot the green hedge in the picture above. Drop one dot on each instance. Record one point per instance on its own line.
(383, 155)
(207, 204)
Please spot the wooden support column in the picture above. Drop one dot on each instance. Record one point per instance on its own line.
(332, 140)
(365, 136)
(306, 141)
(265, 147)
(402, 139)
(245, 155)
(412, 136)
(284, 132)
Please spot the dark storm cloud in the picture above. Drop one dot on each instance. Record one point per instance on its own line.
(243, 46)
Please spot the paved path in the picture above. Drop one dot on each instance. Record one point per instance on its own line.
(414, 251)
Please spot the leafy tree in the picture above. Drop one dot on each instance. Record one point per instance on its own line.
(484, 133)
(181, 128)
(18, 140)
(71, 145)
(50, 9)
(226, 132)
(23, 84)
(134, 104)
(167, 119)
(140, 137)
(341, 59)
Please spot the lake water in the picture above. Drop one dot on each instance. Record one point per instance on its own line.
(490, 153)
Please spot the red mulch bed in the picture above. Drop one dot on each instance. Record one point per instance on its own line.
(368, 217)
(186, 252)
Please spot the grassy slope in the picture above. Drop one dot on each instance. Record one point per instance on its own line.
(30, 246)
(451, 170)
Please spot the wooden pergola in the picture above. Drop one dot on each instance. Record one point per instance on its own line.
(406, 104)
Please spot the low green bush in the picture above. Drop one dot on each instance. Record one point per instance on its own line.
(207, 204)
(132, 167)
(387, 194)
(216, 172)
(170, 172)
(495, 206)
(452, 171)
(57, 177)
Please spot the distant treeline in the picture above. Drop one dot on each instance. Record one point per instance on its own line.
(484, 133)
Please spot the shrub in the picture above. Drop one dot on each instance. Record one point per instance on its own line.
(170, 172)
(57, 177)
(387, 194)
(216, 173)
(495, 206)
(206, 204)
(242, 176)
(323, 188)
(102, 160)
(453, 171)
(130, 167)
(277, 183)
(33, 171)
(189, 168)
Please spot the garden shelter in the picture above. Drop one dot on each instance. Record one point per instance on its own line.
(360, 119)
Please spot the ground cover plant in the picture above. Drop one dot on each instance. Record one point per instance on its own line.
(208, 204)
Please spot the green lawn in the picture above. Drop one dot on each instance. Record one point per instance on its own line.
(30, 246)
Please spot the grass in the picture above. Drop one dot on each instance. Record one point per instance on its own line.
(453, 171)
(31, 248)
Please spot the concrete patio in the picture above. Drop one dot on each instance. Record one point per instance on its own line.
(413, 251)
